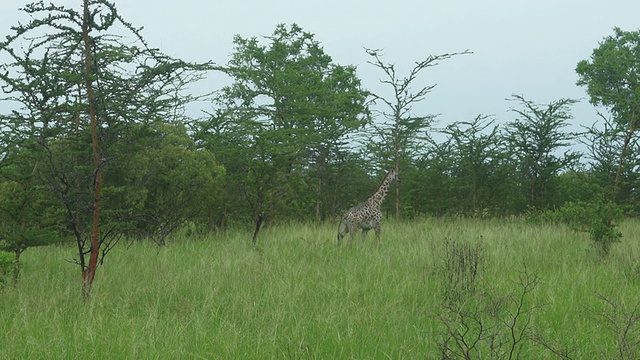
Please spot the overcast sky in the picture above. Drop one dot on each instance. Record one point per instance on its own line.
(529, 48)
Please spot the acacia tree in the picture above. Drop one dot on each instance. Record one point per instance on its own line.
(176, 182)
(535, 138)
(289, 107)
(478, 164)
(78, 85)
(612, 79)
(604, 142)
(399, 136)
(27, 215)
(429, 181)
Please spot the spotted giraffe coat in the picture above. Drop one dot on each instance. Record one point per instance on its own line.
(366, 216)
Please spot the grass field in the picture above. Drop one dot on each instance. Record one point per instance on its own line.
(298, 295)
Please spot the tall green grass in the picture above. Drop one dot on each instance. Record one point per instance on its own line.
(298, 295)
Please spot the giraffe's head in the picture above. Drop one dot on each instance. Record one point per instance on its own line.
(380, 194)
(391, 175)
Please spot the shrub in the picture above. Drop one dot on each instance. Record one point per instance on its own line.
(491, 326)
(622, 327)
(7, 265)
(462, 269)
(599, 218)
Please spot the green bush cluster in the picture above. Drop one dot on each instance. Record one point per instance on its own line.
(7, 265)
(599, 218)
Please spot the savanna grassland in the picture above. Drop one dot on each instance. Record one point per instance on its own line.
(536, 290)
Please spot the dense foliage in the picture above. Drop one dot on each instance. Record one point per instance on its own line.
(290, 137)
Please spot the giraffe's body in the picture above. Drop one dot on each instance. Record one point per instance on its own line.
(367, 215)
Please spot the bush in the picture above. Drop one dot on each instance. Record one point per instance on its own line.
(491, 326)
(599, 218)
(462, 268)
(7, 265)
(622, 327)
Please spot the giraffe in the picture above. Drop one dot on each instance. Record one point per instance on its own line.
(366, 216)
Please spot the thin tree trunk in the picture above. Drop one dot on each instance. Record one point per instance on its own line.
(16, 267)
(258, 225)
(223, 220)
(318, 196)
(397, 169)
(88, 273)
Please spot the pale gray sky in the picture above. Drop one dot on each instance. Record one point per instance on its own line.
(524, 47)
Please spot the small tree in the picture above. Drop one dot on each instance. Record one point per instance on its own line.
(429, 182)
(535, 138)
(77, 85)
(27, 215)
(399, 136)
(478, 164)
(604, 143)
(177, 183)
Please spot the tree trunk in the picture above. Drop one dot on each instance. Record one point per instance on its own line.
(16, 267)
(397, 169)
(318, 197)
(88, 273)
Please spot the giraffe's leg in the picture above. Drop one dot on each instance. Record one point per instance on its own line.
(342, 231)
(352, 235)
(377, 230)
(364, 235)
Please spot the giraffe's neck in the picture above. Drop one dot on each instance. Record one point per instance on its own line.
(378, 197)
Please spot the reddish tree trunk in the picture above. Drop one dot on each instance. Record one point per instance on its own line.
(89, 272)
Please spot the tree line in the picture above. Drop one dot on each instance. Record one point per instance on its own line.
(98, 145)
